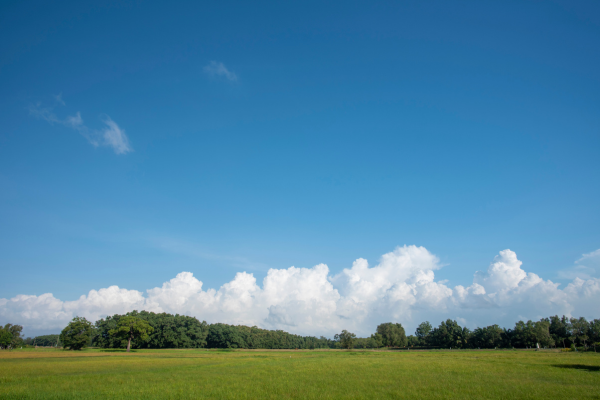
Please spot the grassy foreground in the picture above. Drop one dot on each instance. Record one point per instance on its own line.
(182, 374)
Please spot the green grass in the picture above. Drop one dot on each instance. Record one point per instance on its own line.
(194, 374)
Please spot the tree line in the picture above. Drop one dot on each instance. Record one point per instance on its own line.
(549, 332)
(137, 330)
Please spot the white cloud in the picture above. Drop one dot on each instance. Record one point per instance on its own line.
(115, 137)
(401, 288)
(215, 68)
(112, 135)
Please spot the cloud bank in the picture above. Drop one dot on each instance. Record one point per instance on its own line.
(111, 135)
(311, 301)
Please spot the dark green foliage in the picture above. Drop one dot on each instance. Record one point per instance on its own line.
(393, 335)
(413, 341)
(230, 336)
(541, 332)
(377, 340)
(225, 336)
(45, 340)
(11, 336)
(346, 339)
(372, 342)
(594, 333)
(529, 334)
(131, 328)
(560, 330)
(179, 331)
(522, 335)
(169, 331)
(487, 338)
(548, 332)
(450, 335)
(422, 333)
(5, 338)
(579, 330)
(77, 334)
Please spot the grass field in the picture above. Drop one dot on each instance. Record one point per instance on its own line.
(182, 374)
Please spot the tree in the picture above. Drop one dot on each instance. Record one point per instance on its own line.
(130, 328)
(346, 339)
(393, 334)
(412, 341)
(229, 337)
(422, 332)
(450, 334)
(579, 329)
(542, 335)
(594, 332)
(377, 340)
(523, 334)
(488, 337)
(15, 333)
(560, 329)
(46, 340)
(77, 334)
(5, 338)
(170, 331)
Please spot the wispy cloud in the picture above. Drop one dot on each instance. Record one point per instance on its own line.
(194, 250)
(115, 136)
(585, 268)
(111, 135)
(218, 69)
(59, 99)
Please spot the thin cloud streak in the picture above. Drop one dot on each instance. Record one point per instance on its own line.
(112, 135)
(586, 267)
(193, 250)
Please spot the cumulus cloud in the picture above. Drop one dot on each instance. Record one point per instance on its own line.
(400, 288)
(218, 69)
(111, 135)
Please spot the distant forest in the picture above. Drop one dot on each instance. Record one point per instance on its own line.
(180, 331)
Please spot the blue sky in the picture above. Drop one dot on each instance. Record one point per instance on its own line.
(269, 135)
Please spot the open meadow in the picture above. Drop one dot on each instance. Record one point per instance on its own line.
(201, 373)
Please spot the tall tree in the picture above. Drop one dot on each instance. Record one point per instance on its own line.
(346, 339)
(488, 337)
(523, 334)
(170, 331)
(450, 334)
(5, 338)
(77, 334)
(393, 334)
(377, 340)
(130, 328)
(542, 334)
(560, 329)
(594, 332)
(15, 332)
(579, 329)
(422, 331)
